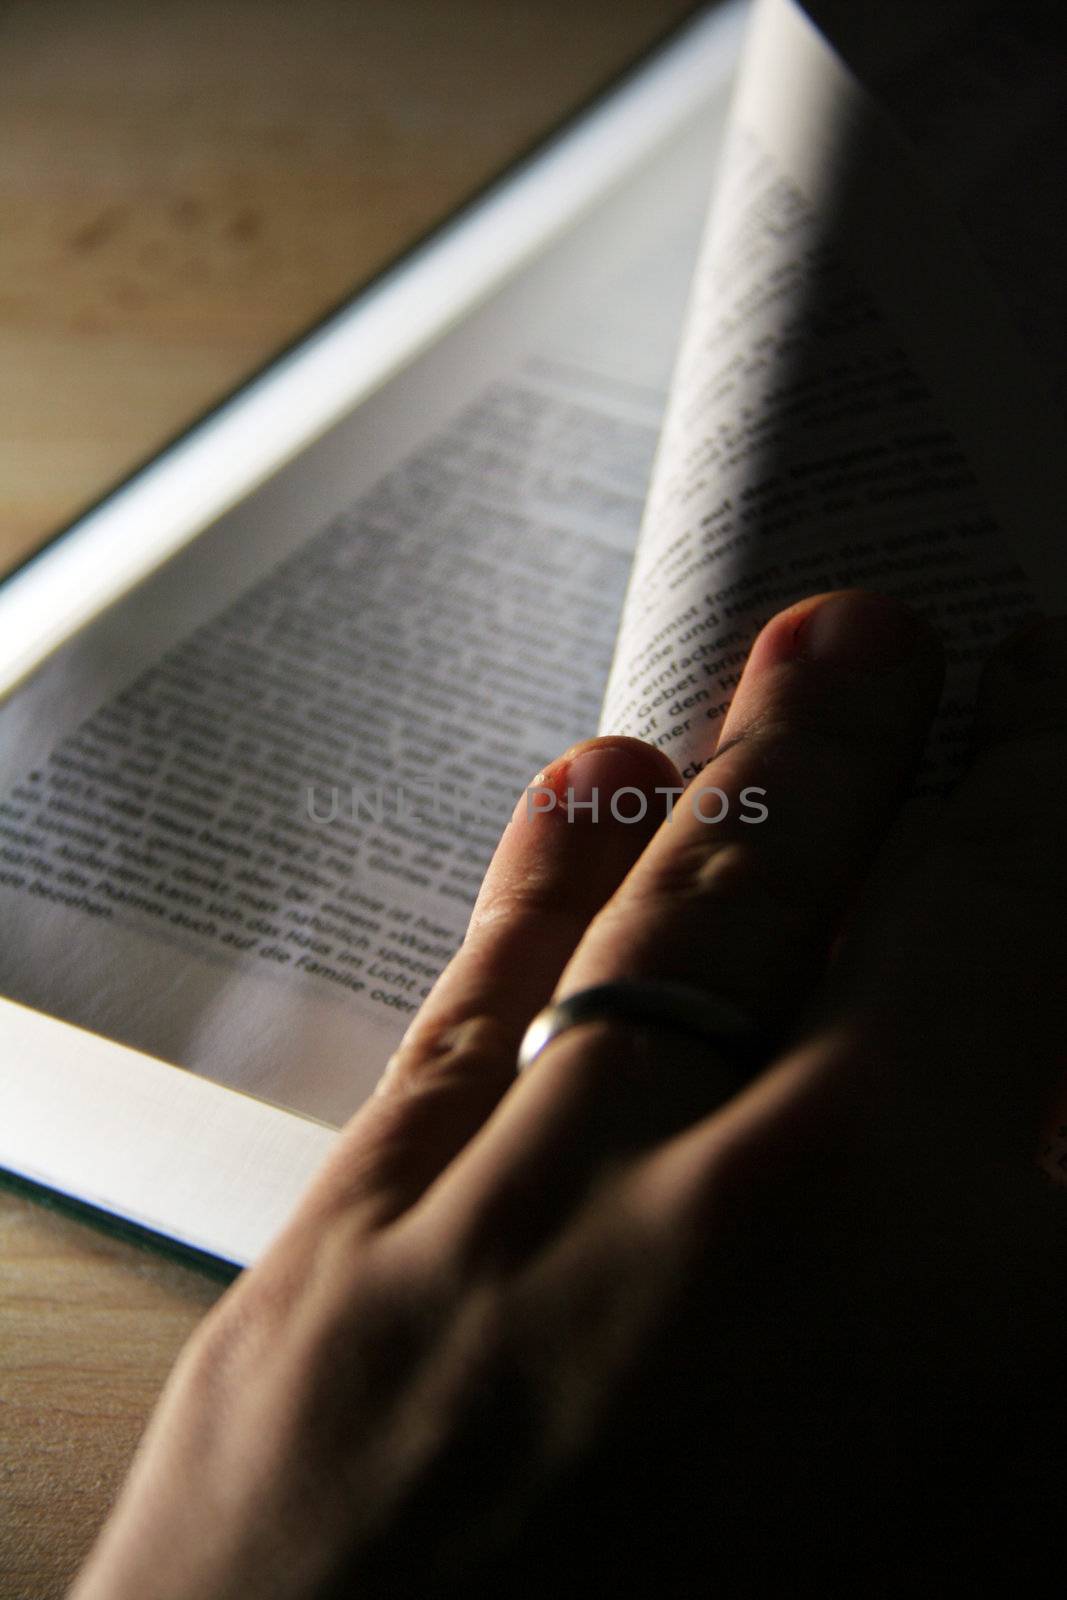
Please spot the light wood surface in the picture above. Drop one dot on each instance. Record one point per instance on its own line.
(183, 187)
(185, 184)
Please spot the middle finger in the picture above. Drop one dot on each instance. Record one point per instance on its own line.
(823, 734)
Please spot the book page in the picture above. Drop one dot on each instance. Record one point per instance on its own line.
(854, 404)
(244, 816)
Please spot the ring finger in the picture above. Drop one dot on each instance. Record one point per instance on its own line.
(546, 881)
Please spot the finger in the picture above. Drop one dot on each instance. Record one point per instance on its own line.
(562, 855)
(552, 871)
(824, 732)
(828, 723)
(959, 969)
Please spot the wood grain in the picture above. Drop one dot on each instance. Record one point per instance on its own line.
(90, 1327)
(183, 187)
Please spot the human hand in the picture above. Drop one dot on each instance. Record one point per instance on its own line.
(629, 1323)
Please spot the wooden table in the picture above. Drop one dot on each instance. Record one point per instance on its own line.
(184, 186)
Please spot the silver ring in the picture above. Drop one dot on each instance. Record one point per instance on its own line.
(645, 1001)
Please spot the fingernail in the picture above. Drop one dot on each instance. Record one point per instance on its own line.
(866, 631)
(586, 783)
(1039, 652)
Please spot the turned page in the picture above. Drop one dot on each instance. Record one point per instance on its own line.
(866, 392)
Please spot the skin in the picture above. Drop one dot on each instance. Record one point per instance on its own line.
(640, 1322)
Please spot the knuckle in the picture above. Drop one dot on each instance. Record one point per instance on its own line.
(693, 870)
(815, 729)
(703, 1193)
(287, 1356)
(725, 1178)
(448, 1050)
(734, 879)
(535, 892)
(483, 1339)
(233, 1340)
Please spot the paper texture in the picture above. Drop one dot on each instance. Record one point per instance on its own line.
(284, 765)
(831, 422)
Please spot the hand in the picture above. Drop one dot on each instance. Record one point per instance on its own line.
(629, 1324)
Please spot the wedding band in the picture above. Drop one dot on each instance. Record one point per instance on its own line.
(646, 1001)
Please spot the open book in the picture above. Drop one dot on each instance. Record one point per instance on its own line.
(270, 705)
